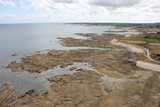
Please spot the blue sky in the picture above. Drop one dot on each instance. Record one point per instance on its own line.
(58, 11)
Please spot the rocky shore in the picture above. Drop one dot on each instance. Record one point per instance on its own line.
(81, 89)
(110, 60)
(115, 80)
(94, 40)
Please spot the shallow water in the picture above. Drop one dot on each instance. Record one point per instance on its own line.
(23, 81)
(26, 39)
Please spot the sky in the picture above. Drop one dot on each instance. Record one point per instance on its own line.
(64, 11)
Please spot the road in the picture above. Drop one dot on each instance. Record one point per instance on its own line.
(142, 64)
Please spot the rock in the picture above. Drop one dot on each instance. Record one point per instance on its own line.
(76, 90)
(30, 92)
(7, 93)
(79, 69)
(6, 84)
(130, 55)
(130, 61)
(130, 58)
(108, 89)
(133, 101)
(80, 89)
(14, 54)
(55, 79)
(53, 58)
(151, 94)
(156, 57)
(72, 68)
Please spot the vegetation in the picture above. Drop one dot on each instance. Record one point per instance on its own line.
(134, 38)
(148, 38)
(156, 56)
(153, 36)
(138, 92)
(150, 41)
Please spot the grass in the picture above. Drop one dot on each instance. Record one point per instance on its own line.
(112, 74)
(112, 46)
(138, 92)
(132, 88)
(142, 39)
(152, 41)
(134, 38)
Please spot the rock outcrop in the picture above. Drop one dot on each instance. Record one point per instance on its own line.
(81, 89)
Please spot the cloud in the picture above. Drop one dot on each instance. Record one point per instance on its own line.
(42, 4)
(150, 7)
(114, 3)
(46, 5)
(65, 1)
(7, 3)
(155, 9)
(82, 10)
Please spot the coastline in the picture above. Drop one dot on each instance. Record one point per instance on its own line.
(114, 74)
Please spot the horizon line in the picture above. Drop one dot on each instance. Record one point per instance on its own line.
(83, 23)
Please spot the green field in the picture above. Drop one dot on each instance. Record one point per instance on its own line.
(141, 39)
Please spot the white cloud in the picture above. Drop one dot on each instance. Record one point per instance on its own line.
(85, 10)
(114, 3)
(47, 5)
(42, 4)
(7, 3)
(65, 1)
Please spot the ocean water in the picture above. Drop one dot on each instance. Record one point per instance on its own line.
(26, 39)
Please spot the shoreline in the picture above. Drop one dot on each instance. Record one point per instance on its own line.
(117, 76)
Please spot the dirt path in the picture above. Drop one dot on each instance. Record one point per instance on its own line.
(148, 55)
(149, 66)
(129, 47)
(142, 64)
(146, 51)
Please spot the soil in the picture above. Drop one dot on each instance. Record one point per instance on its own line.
(129, 47)
(155, 49)
(133, 42)
(151, 94)
(154, 44)
(149, 97)
(141, 52)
